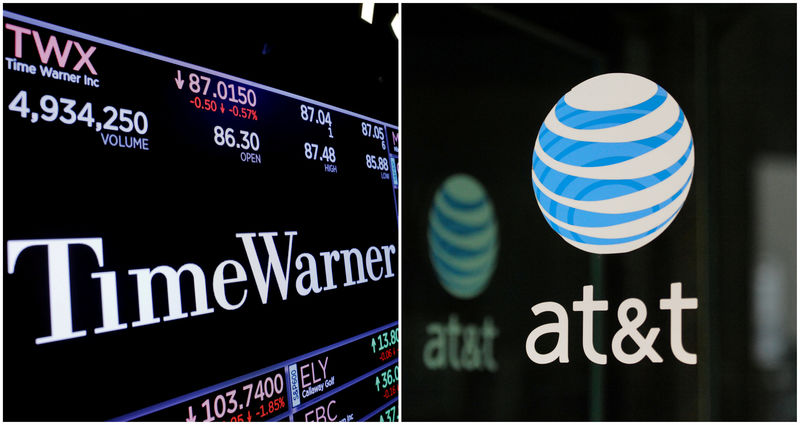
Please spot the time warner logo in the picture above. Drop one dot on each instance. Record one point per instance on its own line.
(613, 163)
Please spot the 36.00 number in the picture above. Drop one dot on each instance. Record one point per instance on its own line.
(386, 378)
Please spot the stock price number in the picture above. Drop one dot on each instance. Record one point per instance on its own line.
(247, 140)
(385, 340)
(327, 155)
(389, 415)
(373, 131)
(199, 84)
(377, 163)
(321, 117)
(386, 378)
(241, 97)
(63, 110)
(226, 137)
(229, 406)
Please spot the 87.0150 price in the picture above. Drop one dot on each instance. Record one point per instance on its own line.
(199, 84)
(63, 110)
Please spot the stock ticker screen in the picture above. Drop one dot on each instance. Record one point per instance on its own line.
(186, 242)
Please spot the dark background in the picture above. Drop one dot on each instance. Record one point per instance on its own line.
(477, 83)
(184, 200)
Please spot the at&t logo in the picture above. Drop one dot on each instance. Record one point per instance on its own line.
(613, 163)
(463, 244)
(462, 236)
(612, 166)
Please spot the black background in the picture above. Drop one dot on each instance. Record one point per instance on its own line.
(184, 199)
(478, 81)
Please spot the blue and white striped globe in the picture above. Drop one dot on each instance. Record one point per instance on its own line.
(462, 236)
(613, 163)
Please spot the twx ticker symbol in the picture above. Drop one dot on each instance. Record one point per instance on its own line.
(62, 54)
(462, 236)
(613, 163)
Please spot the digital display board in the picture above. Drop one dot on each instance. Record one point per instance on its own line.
(184, 244)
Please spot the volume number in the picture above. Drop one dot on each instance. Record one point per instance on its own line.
(63, 109)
